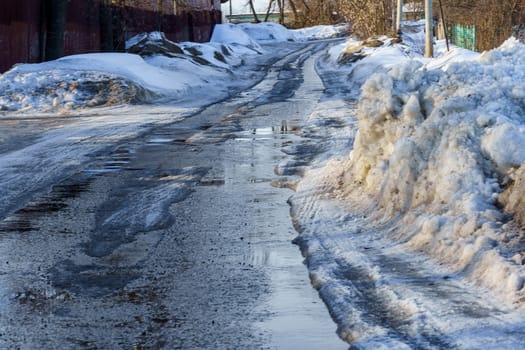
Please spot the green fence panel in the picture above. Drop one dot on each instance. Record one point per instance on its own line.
(463, 35)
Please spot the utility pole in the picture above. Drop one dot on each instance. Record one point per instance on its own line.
(399, 16)
(394, 17)
(429, 30)
(444, 23)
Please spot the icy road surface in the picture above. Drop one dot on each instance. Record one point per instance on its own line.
(165, 227)
(158, 227)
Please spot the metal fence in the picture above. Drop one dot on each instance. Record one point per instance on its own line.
(462, 35)
(474, 38)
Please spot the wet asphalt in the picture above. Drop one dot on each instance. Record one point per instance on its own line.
(178, 239)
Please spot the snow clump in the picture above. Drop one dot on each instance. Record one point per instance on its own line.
(65, 84)
(434, 150)
(323, 31)
(232, 34)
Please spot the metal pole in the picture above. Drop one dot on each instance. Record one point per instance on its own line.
(444, 23)
(394, 17)
(231, 10)
(399, 16)
(429, 30)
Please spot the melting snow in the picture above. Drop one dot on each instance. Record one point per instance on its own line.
(105, 79)
(437, 142)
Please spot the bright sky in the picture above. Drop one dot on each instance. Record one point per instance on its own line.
(240, 6)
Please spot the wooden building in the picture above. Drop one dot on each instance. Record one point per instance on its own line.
(39, 30)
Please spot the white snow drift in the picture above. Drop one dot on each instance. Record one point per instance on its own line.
(103, 79)
(434, 150)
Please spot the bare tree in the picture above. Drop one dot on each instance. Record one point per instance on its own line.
(416, 7)
(493, 20)
(280, 3)
(252, 8)
(368, 18)
(270, 4)
(313, 12)
(296, 17)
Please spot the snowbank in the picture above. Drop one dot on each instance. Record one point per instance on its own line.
(269, 32)
(162, 70)
(103, 79)
(252, 35)
(445, 59)
(154, 68)
(434, 150)
(361, 59)
(323, 31)
(83, 80)
(153, 43)
(232, 34)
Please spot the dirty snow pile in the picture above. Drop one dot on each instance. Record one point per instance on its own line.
(163, 69)
(360, 59)
(439, 157)
(153, 68)
(65, 84)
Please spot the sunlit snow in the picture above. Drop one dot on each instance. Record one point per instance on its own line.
(438, 141)
(436, 167)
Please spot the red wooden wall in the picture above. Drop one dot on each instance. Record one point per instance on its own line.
(22, 27)
(19, 32)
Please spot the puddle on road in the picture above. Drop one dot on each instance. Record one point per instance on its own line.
(117, 160)
(115, 164)
(297, 318)
(296, 312)
(160, 140)
(175, 134)
(269, 132)
(259, 180)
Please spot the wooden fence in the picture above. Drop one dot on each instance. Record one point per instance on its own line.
(23, 28)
